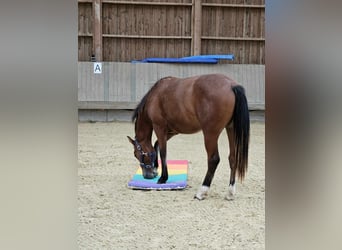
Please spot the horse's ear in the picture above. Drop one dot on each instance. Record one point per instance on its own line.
(130, 140)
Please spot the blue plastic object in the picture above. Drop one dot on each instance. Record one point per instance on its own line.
(211, 59)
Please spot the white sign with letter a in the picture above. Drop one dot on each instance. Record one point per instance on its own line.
(97, 68)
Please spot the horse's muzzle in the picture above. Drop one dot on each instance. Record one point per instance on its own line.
(149, 173)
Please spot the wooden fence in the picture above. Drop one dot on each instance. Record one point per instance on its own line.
(121, 31)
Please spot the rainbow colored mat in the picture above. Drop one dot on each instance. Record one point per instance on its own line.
(178, 174)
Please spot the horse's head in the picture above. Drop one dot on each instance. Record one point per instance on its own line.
(146, 159)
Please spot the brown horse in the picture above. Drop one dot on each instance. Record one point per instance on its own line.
(187, 105)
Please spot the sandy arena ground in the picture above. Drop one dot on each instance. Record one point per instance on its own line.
(111, 216)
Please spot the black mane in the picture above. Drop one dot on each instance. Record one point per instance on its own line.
(140, 107)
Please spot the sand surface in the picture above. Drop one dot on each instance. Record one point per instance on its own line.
(111, 216)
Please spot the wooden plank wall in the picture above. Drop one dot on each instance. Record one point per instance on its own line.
(239, 30)
(85, 31)
(133, 30)
(122, 85)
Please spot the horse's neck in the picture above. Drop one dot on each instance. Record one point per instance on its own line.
(143, 131)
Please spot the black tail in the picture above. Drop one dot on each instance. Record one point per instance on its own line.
(241, 130)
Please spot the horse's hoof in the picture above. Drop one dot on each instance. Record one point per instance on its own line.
(161, 181)
(200, 198)
(229, 197)
(202, 193)
(231, 193)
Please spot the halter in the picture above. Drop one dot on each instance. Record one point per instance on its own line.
(152, 155)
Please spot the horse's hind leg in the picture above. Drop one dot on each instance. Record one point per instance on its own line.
(213, 161)
(232, 162)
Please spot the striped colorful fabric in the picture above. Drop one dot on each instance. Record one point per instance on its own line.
(178, 174)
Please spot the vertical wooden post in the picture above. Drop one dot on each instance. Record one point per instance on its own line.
(97, 29)
(196, 27)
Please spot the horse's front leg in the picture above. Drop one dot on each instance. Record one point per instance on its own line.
(161, 143)
(164, 174)
(156, 148)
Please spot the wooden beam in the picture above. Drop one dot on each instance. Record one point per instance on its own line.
(223, 5)
(258, 39)
(196, 27)
(84, 34)
(146, 36)
(146, 3)
(97, 37)
(106, 105)
(256, 106)
(103, 105)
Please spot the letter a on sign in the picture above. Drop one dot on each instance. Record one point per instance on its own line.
(97, 68)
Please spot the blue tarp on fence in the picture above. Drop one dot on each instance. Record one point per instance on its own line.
(212, 59)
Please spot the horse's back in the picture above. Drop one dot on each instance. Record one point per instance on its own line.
(209, 86)
(189, 104)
